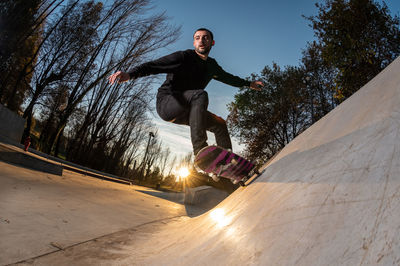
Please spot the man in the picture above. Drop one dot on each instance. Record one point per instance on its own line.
(182, 99)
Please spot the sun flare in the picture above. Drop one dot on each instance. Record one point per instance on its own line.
(183, 172)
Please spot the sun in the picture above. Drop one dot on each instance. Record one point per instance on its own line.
(183, 172)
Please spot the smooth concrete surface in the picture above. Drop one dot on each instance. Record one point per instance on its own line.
(42, 214)
(11, 124)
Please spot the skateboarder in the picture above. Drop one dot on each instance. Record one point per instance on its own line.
(181, 99)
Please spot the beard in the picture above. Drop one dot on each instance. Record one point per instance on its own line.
(204, 50)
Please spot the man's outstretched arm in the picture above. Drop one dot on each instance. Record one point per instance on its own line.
(166, 64)
(225, 77)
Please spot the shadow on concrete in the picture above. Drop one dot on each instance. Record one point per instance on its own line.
(22, 159)
(203, 204)
(177, 197)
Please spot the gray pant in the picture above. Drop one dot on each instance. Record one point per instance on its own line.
(190, 108)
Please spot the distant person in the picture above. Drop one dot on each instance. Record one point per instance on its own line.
(27, 143)
(182, 99)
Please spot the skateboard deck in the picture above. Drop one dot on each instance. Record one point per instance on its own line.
(215, 160)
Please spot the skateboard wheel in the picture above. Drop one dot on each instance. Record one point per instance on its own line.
(215, 177)
(241, 183)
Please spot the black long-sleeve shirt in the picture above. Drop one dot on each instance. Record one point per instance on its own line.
(186, 71)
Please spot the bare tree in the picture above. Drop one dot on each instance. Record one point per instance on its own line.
(21, 39)
(67, 38)
(163, 160)
(124, 40)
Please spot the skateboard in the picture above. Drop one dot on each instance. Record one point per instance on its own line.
(219, 162)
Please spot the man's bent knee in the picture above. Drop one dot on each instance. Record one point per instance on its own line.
(196, 97)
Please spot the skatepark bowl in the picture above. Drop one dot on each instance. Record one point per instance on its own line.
(330, 197)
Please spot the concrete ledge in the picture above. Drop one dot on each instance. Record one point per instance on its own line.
(17, 147)
(20, 158)
(78, 168)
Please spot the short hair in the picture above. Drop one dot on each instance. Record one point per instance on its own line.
(204, 29)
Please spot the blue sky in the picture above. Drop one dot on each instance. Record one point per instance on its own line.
(249, 35)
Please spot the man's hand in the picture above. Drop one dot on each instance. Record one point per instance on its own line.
(119, 77)
(256, 85)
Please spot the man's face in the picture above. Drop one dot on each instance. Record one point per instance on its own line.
(202, 42)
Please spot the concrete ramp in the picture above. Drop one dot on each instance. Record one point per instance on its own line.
(331, 197)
